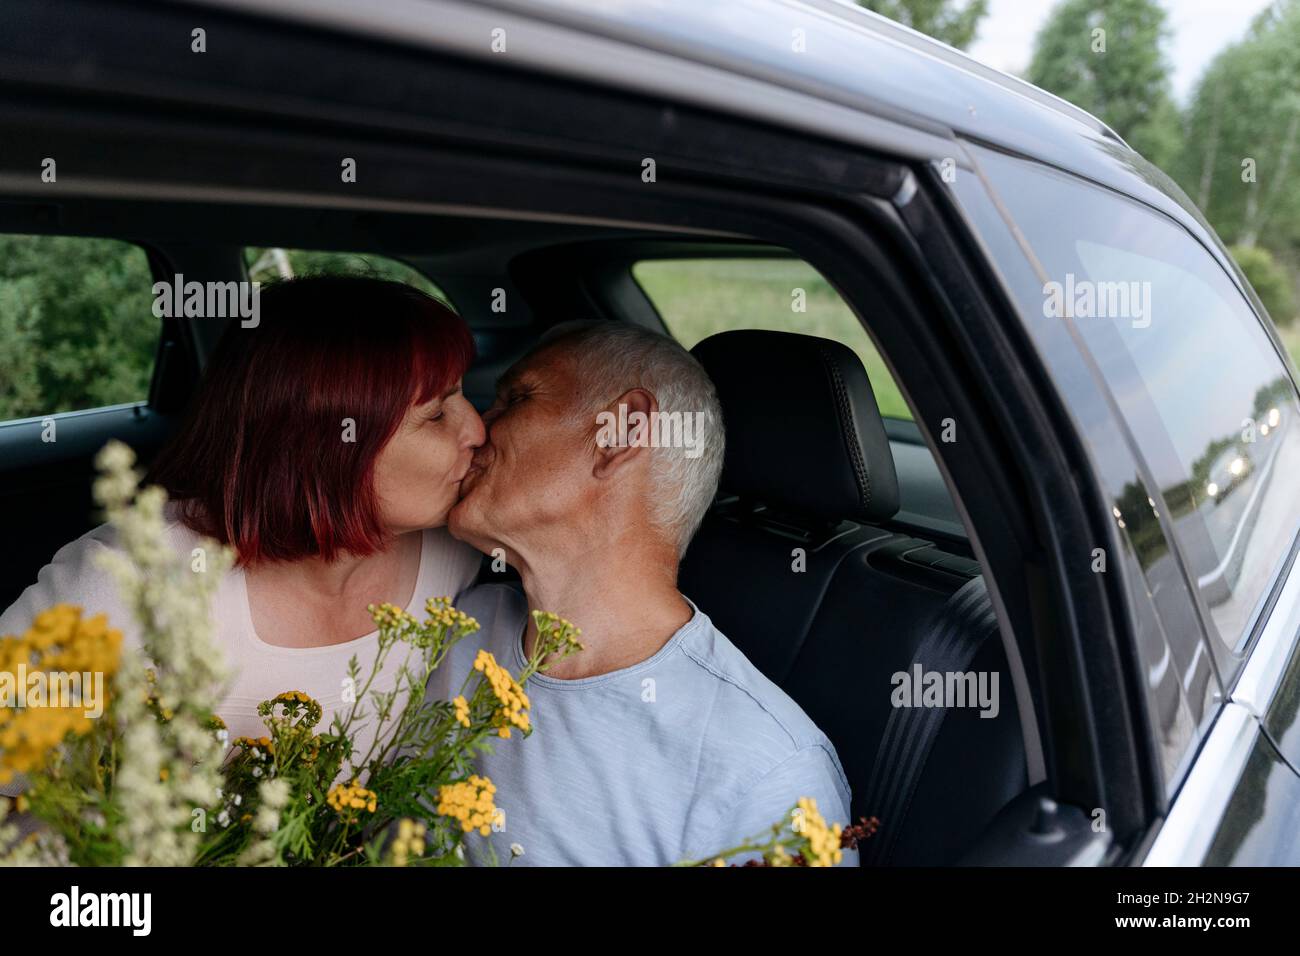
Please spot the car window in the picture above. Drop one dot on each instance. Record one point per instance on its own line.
(267, 264)
(76, 323)
(1209, 402)
(698, 297)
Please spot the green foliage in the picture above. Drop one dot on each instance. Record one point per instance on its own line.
(1120, 76)
(77, 322)
(945, 20)
(1269, 280)
(1243, 124)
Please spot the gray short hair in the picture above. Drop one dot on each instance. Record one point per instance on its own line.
(612, 357)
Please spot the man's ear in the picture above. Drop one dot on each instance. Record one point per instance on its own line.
(623, 429)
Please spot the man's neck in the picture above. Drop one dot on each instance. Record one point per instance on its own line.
(625, 600)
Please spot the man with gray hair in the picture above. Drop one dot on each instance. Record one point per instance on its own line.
(659, 741)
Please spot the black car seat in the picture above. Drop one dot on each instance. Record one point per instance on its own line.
(796, 566)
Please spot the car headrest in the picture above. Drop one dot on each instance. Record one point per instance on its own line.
(804, 434)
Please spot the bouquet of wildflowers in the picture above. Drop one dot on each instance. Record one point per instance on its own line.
(127, 782)
(413, 797)
(805, 839)
(148, 775)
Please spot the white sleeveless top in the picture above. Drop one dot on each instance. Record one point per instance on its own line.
(258, 670)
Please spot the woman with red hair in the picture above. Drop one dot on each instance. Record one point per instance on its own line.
(325, 446)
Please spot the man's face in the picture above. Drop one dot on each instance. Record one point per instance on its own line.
(530, 476)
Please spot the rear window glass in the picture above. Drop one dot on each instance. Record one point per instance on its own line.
(267, 264)
(76, 324)
(698, 297)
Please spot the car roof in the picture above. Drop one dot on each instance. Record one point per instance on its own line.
(860, 78)
(849, 54)
(850, 57)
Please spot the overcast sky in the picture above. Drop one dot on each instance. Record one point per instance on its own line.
(1198, 30)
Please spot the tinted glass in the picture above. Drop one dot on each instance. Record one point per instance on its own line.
(1210, 405)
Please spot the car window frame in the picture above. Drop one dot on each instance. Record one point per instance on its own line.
(829, 222)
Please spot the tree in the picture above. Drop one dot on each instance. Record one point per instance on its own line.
(1269, 280)
(945, 20)
(1243, 135)
(77, 323)
(1107, 57)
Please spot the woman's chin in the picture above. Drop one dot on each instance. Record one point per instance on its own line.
(440, 520)
(438, 517)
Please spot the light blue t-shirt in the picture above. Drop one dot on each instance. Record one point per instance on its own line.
(683, 755)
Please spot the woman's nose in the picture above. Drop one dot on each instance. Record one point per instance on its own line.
(476, 429)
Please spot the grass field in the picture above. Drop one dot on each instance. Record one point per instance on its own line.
(700, 297)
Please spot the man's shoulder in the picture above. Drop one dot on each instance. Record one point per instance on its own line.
(761, 752)
(493, 600)
(500, 608)
(749, 713)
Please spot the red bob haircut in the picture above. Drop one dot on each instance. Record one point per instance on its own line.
(266, 460)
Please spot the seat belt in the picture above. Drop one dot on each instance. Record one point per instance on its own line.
(961, 626)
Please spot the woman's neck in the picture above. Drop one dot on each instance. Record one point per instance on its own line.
(346, 573)
(310, 602)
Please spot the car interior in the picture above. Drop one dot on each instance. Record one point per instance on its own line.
(887, 574)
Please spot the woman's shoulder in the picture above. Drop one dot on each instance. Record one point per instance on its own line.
(76, 575)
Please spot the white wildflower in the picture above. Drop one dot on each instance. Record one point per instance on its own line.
(171, 608)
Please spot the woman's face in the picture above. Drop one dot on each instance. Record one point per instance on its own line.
(418, 473)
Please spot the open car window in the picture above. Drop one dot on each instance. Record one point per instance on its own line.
(698, 297)
(77, 324)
